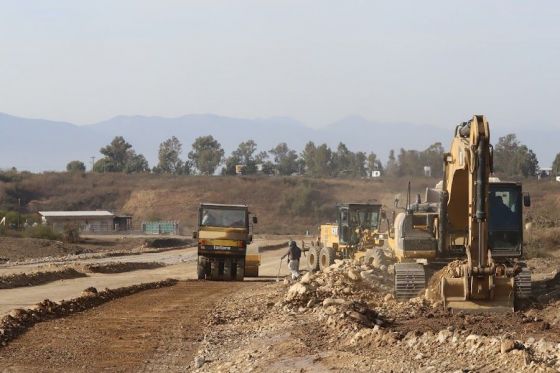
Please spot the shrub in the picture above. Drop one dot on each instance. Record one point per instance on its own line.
(542, 242)
(42, 231)
(71, 233)
(302, 200)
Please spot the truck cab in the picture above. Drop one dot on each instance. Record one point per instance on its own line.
(223, 234)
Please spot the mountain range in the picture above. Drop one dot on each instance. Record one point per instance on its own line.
(43, 145)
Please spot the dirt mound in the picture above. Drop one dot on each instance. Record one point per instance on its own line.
(38, 278)
(159, 243)
(339, 318)
(19, 320)
(118, 267)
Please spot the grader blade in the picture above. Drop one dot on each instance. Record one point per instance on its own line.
(456, 295)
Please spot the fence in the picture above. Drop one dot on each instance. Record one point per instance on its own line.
(160, 227)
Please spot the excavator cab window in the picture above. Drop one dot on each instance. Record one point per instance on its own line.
(505, 218)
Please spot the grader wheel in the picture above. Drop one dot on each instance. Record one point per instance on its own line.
(313, 259)
(326, 257)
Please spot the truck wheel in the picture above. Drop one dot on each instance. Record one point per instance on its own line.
(214, 270)
(227, 270)
(240, 270)
(201, 269)
(313, 259)
(326, 257)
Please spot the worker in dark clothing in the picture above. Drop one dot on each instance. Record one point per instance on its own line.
(293, 254)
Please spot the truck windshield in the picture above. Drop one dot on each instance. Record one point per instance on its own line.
(504, 220)
(227, 218)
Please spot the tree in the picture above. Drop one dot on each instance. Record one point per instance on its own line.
(136, 163)
(245, 153)
(285, 160)
(117, 153)
(169, 158)
(76, 166)
(206, 154)
(120, 157)
(341, 161)
(323, 161)
(511, 158)
(103, 165)
(392, 167)
(373, 164)
(247, 156)
(556, 166)
(433, 157)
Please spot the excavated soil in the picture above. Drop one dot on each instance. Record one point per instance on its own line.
(17, 280)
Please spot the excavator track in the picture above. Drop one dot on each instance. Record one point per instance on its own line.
(410, 280)
(523, 287)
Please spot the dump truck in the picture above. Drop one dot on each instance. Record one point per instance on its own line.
(224, 232)
(355, 235)
(470, 216)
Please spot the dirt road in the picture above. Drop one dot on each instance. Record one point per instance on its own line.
(180, 265)
(153, 331)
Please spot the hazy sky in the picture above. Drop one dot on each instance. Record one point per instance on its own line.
(431, 62)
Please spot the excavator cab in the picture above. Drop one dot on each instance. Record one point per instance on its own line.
(505, 220)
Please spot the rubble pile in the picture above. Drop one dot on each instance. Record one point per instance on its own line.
(345, 296)
(19, 320)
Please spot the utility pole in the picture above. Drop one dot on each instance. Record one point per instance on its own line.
(92, 163)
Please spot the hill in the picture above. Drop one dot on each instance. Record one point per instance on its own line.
(39, 145)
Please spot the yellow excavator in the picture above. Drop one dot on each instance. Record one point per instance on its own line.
(469, 216)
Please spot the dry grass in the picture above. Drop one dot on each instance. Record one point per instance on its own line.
(285, 205)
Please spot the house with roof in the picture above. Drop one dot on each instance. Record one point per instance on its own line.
(87, 221)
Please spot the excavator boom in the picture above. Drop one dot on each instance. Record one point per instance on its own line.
(481, 284)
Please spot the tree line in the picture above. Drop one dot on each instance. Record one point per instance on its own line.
(206, 156)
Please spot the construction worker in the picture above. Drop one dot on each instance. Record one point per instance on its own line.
(293, 254)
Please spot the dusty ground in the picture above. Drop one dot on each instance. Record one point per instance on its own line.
(156, 330)
(342, 320)
(32, 250)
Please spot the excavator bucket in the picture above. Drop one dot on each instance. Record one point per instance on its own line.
(456, 295)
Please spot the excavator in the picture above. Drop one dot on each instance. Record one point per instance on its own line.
(469, 216)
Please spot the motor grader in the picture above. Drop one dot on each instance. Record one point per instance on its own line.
(355, 235)
(468, 216)
(223, 234)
